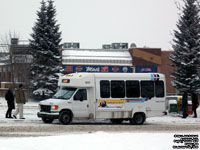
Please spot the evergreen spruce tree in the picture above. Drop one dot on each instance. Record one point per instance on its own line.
(186, 45)
(44, 49)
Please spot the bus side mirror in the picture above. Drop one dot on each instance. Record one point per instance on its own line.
(81, 98)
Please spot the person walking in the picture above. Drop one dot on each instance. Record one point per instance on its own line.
(10, 102)
(20, 100)
(195, 104)
(184, 104)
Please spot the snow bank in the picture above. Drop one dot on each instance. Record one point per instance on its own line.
(91, 141)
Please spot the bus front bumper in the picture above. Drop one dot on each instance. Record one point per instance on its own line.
(48, 115)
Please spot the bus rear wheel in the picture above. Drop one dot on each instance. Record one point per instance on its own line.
(138, 119)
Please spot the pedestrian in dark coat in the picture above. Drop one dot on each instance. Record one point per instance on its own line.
(195, 104)
(184, 104)
(10, 101)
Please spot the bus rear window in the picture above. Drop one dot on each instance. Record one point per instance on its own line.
(159, 89)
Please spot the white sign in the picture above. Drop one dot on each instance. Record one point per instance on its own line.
(92, 69)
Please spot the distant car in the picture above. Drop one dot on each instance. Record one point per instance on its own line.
(173, 97)
(175, 100)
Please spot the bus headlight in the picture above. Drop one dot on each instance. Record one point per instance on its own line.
(39, 107)
(54, 107)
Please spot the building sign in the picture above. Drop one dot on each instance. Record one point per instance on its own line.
(145, 69)
(80, 68)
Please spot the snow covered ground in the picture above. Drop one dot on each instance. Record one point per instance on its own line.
(137, 140)
(94, 141)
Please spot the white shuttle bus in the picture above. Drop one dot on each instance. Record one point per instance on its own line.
(114, 96)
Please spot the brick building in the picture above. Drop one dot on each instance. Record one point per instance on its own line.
(149, 60)
(20, 61)
(166, 69)
(146, 59)
(14, 69)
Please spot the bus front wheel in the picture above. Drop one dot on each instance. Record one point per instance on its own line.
(47, 120)
(65, 117)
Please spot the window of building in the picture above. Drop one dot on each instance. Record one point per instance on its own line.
(147, 89)
(117, 89)
(159, 89)
(105, 89)
(132, 89)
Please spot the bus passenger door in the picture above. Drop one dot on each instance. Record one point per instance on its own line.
(80, 104)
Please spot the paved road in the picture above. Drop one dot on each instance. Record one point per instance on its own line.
(33, 126)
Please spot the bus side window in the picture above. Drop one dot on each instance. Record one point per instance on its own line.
(147, 89)
(117, 89)
(159, 89)
(105, 89)
(132, 88)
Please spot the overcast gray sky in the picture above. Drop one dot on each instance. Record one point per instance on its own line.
(95, 22)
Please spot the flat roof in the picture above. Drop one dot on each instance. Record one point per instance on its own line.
(97, 56)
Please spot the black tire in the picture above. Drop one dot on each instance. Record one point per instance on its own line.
(65, 117)
(116, 121)
(47, 120)
(138, 119)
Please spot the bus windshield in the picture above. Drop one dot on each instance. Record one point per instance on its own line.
(64, 93)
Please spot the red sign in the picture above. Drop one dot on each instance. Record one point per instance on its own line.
(69, 68)
(146, 69)
(104, 69)
(79, 68)
(115, 69)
